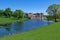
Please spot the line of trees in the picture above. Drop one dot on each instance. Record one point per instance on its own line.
(9, 13)
(53, 12)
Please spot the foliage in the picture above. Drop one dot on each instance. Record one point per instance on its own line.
(53, 10)
(18, 14)
(49, 17)
(7, 12)
(1, 12)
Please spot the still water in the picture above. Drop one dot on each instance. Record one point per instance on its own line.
(12, 28)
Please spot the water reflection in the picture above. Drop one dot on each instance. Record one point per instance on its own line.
(7, 29)
(6, 26)
(17, 26)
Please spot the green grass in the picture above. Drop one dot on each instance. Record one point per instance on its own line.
(10, 20)
(50, 32)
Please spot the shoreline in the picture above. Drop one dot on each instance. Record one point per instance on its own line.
(9, 20)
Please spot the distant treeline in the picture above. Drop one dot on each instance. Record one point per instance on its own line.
(9, 13)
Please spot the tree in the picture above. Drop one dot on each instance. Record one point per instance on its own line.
(8, 12)
(1, 12)
(52, 10)
(19, 14)
(49, 17)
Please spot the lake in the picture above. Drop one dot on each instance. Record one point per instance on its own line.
(17, 27)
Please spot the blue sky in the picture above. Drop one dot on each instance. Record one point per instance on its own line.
(33, 6)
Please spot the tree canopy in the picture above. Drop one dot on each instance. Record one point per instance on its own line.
(53, 11)
(9, 13)
(19, 14)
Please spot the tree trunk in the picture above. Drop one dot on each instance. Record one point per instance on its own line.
(55, 20)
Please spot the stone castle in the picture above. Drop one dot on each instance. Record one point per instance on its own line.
(38, 16)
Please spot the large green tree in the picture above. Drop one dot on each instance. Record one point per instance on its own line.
(53, 11)
(8, 12)
(18, 14)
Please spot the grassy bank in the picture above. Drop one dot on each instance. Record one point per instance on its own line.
(10, 20)
(50, 32)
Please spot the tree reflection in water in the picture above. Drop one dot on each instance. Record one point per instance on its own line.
(15, 26)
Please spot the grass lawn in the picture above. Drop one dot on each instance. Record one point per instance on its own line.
(10, 20)
(50, 32)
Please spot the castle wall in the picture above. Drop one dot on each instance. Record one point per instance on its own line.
(38, 16)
